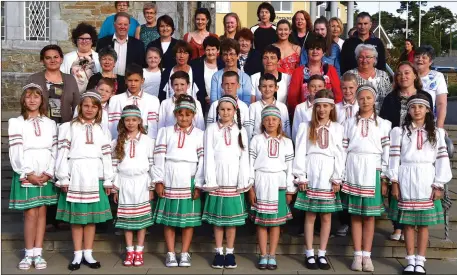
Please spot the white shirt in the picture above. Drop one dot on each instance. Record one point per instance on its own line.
(282, 91)
(121, 50)
(151, 82)
(345, 111)
(191, 90)
(340, 43)
(165, 46)
(435, 84)
(255, 118)
(303, 113)
(167, 116)
(244, 113)
(208, 75)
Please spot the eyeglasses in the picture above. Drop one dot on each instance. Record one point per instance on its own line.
(84, 39)
(365, 57)
(229, 54)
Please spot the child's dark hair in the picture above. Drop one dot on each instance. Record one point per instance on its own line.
(211, 41)
(314, 123)
(266, 77)
(180, 75)
(238, 117)
(231, 74)
(119, 152)
(272, 49)
(107, 81)
(269, 7)
(132, 69)
(429, 121)
(316, 77)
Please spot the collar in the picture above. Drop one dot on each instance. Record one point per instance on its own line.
(414, 127)
(371, 118)
(185, 131)
(265, 104)
(222, 126)
(38, 117)
(347, 104)
(105, 105)
(327, 124)
(267, 136)
(309, 105)
(136, 138)
(87, 122)
(115, 38)
(140, 94)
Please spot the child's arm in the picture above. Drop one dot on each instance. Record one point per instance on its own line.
(297, 120)
(251, 121)
(52, 164)
(394, 155)
(385, 142)
(107, 163)
(115, 163)
(443, 173)
(16, 149)
(153, 118)
(211, 115)
(151, 164)
(160, 150)
(161, 117)
(210, 168)
(200, 175)
(339, 164)
(346, 140)
(200, 120)
(299, 163)
(63, 149)
(289, 159)
(252, 159)
(243, 172)
(286, 122)
(114, 114)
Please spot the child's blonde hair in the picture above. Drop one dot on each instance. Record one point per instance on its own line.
(315, 120)
(96, 100)
(349, 77)
(32, 88)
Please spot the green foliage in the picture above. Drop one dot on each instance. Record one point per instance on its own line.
(452, 90)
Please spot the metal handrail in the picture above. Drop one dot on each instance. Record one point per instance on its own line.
(447, 202)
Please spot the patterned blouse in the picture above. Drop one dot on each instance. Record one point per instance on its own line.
(381, 82)
(289, 63)
(148, 34)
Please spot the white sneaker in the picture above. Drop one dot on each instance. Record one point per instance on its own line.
(39, 262)
(171, 260)
(395, 237)
(185, 260)
(342, 230)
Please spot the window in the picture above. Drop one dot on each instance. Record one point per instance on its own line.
(3, 20)
(321, 10)
(282, 6)
(222, 7)
(37, 21)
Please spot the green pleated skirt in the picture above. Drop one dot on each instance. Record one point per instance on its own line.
(419, 217)
(136, 223)
(318, 206)
(179, 212)
(225, 211)
(23, 198)
(363, 206)
(277, 219)
(84, 213)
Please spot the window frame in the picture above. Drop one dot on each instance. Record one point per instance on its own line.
(280, 10)
(47, 27)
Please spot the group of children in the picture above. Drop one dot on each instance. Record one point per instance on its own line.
(340, 156)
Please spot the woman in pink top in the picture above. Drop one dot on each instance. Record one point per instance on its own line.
(290, 53)
(202, 20)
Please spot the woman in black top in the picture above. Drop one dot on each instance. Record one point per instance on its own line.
(264, 32)
(165, 43)
(302, 27)
(108, 59)
(249, 60)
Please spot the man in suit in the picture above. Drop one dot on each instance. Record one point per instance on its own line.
(129, 49)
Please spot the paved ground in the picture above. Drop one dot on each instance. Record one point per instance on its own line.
(288, 264)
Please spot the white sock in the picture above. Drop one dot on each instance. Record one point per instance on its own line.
(88, 256)
(420, 260)
(411, 263)
(28, 252)
(219, 250)
(321, 253)
(139, 248)
(229, 250)
(78, 257)
(366, 254)
(129, 248)
(37, 251)
(358, 253)
(310, 253)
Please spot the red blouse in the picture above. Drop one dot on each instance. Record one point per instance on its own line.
(197, 49)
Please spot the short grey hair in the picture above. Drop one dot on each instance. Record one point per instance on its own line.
(149, 6)
(108, 50)
(366, 47)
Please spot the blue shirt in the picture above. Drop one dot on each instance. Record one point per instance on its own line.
(244, 92)
(107, 28)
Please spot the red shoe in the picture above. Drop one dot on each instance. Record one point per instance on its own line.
(139, 258)
(129, 258)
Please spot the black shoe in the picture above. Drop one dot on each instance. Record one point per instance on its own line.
(74, 267)
(323, 264)
(95, 265)
(230, 261)
(309, 265)
(218, 261)
(409, 272)
(420, 273)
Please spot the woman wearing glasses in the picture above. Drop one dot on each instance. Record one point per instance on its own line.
(83, 62)
(148, 32)
(366, 72)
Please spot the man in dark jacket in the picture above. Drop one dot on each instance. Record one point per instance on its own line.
(362, 35)
(129, 49)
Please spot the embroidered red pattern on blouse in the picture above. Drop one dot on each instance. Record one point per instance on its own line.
(36, 126)
(89, 134)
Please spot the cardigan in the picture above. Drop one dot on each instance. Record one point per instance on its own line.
(253, 63)
(70, 57)
(70, 97)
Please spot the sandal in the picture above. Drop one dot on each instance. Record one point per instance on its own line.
(139, 261)
(39, 262)
(409, 272)
(129, 258)
(309, 265)
(25, 263)
(421, 266)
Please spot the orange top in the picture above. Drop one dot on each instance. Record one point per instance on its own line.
(197, 49)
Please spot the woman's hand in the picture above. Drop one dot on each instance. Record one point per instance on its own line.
(303, 186)
(44, 178)
(395, 191)
(336, 188)
(252, 198)
(64, 189)
(35, 180)
(108, 191)
(151, 195)
(116, 198)
(159, 189)
(437, 194)
(196, 194)
(288, 198)
(384, 188)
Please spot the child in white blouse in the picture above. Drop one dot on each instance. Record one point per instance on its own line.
(32, 152)
(132, 185)
(418, 168)
(227, 178)
(318, 166)
(84, 171)
(153, 72)
(180, 81)
(271, 155)
(366, 142)
(349, 106)
(178, 177)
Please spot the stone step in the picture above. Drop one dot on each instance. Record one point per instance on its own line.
(246, 242)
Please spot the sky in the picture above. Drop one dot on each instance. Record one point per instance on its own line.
(373, 6)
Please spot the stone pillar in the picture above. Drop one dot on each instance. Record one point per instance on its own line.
(350, 16)
(334, 9)
(313, 11)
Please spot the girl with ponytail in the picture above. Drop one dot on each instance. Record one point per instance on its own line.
(227, 178)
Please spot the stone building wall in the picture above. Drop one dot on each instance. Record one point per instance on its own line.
(21, 58)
